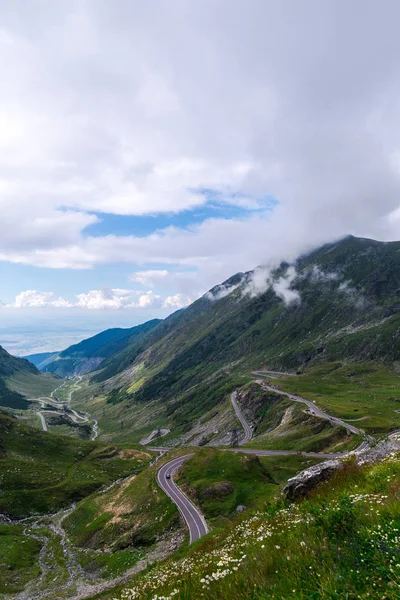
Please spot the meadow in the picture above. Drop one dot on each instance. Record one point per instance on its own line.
(343, 542)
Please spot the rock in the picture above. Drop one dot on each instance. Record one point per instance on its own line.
(240, 508)
(299, 486)
(218, 489)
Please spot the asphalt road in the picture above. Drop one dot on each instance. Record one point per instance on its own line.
(248, 434)
(43, 421)
(192, 516)
(284, 453)
(314, 410)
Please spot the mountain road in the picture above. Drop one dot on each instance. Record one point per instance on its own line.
(248, 434)
(192, 516)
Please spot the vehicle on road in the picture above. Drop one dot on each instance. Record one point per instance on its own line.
(168, 476)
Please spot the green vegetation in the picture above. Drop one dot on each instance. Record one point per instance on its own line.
(88, 354)
(11, 399)
(19, 378)
(367, 394)
(18, 558)
(281, 424)
(183, 366)
(33, 385)
(130, 517)
(41, 472)
(220, 481)
(341, 542)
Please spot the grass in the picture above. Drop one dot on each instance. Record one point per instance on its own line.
(36, 477)
(281, 424)
(18, 558)
(108, 565)
(33, 385)
(131, 516)
(367, 391)
(343, 542)
(220, 481)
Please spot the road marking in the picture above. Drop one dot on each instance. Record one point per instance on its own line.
(195, 521)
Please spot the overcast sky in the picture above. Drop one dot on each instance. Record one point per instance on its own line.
(149, 150)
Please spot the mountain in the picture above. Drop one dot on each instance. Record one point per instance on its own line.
(339, 302)
(41, 359)
(11, 366)
(90, 353)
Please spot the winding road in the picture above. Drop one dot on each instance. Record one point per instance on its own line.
(194, 519)
(191, 514)
(314, 410)
(248, 434)
(75, 416)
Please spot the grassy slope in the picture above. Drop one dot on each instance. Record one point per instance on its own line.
(280, 424)
(18, 558)
(83, 357)
(130, 516)
(219, 482)
(36, 477)
(366, 391)
(343, 542)
(19, 379)
(32, 385)
(349, 308)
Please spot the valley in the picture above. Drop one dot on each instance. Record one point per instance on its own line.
(138, 451)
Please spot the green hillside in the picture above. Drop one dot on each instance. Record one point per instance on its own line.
(90, 353)
(13, 369)
(38, 477)
(342, 304)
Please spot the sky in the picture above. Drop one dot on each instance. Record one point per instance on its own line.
(150, 150)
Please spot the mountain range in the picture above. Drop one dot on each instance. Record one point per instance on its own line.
(340, 302)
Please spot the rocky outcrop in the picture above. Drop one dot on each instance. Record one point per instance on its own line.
(299, 486)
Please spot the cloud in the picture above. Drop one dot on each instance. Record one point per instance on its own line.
(262, 279)
(318, 275)
(258, 282)
(115, 299)
(353, 295)
(220, 291)
(282, 287)
(177, 301)
(35, 299)
(101, 112)
(151, 277)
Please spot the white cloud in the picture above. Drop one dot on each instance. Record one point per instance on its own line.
(117, 299)
(95, 300)
(258, 282)
(318, 275)
(35, 299)
(150, 277)
(101, 111)
(282, 287)
(261, 280)
(177, 301)
(220, 291)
